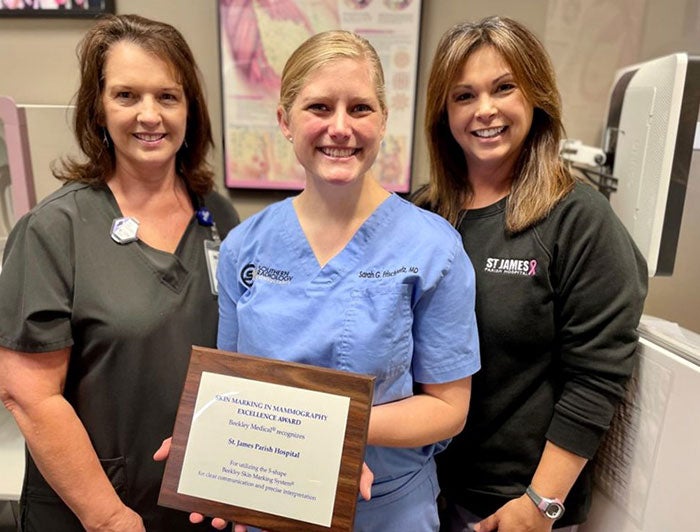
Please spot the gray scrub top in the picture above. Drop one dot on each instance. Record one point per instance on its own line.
(131, 314)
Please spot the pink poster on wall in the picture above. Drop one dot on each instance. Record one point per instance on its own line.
(257, 37)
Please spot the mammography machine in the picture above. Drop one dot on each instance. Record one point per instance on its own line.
(647, 468)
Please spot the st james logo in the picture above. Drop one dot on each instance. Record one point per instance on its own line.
(511, 266)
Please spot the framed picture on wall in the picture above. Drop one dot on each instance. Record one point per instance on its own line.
(55, 8)
(256, 38)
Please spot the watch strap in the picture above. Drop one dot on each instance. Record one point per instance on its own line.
(545, 505)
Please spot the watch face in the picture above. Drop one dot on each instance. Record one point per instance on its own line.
(554, 510)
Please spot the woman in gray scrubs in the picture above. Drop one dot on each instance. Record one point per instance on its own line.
(107, 284)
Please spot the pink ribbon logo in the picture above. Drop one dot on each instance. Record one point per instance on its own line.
(533, 267)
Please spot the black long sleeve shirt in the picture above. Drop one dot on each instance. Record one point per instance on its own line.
(557, 309)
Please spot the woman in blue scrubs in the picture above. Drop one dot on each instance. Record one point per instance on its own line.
(349, 276)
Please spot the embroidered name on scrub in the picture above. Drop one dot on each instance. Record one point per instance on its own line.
(379, 274)
(511, 266)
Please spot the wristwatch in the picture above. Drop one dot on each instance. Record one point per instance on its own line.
(552, 508)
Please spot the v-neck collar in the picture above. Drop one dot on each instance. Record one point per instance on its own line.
(169, 267)
(347, 258)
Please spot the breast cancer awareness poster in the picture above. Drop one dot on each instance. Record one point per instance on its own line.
(257, 37)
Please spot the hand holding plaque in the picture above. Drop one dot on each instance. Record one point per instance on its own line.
(280, 456)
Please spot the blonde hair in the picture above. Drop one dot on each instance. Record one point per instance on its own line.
(540, 179)
(321, 49)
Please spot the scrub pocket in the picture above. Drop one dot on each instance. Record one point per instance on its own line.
(410, 507)
(41, 509)
(115, 469)
(376, 337)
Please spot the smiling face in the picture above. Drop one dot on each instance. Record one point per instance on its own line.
(145, 109)
(336, 122)
(489, 116)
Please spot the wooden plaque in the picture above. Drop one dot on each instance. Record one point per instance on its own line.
(268, 443)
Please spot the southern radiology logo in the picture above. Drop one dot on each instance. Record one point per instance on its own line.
(250, 273)
(511, 266)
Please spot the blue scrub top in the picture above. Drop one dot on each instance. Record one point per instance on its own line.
(397, 303)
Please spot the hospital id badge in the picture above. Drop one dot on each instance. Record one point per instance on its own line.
(211, 253)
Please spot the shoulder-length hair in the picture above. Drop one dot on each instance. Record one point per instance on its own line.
(541, 178)
(166, 43)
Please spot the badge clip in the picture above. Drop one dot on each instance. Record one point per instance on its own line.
(125, 230)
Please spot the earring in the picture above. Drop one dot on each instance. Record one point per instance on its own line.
(105, 139)
(290, 139)
(185, 144)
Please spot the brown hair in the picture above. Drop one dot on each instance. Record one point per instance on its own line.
(165, 42)
(541, 179)
(321, 49)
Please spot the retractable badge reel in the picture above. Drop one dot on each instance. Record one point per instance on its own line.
(211, 247)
